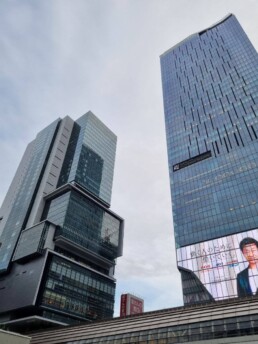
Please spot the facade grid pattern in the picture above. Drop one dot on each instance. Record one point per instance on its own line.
(78, 291)
(210, 91)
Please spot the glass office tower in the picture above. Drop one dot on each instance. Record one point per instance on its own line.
(210, 91)
(59, 239)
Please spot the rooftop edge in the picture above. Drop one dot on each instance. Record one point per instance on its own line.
(198, 33)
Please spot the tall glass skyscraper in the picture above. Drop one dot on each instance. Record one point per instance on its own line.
(59, 239)
(210, 90)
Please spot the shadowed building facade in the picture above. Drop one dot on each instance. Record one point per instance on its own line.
(59, 239)
(210, 91)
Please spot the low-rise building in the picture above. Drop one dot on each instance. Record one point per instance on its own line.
(231, 321)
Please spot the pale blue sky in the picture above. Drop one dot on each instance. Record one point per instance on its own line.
(65, 57)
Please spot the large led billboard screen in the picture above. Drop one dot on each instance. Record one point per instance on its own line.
(226, 267)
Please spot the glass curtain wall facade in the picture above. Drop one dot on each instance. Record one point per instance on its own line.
(77, 291)
(59, 237)
(84, 164)
(83, 222)
(35, 156)
(210, 92)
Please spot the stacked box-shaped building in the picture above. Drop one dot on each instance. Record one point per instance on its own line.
(59, 239)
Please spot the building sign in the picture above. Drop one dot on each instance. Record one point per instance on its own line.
(227, 267)
(192, 161)
(131, 305)
(123, 305)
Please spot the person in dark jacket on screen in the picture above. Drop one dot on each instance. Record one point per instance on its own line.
(247, 280)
